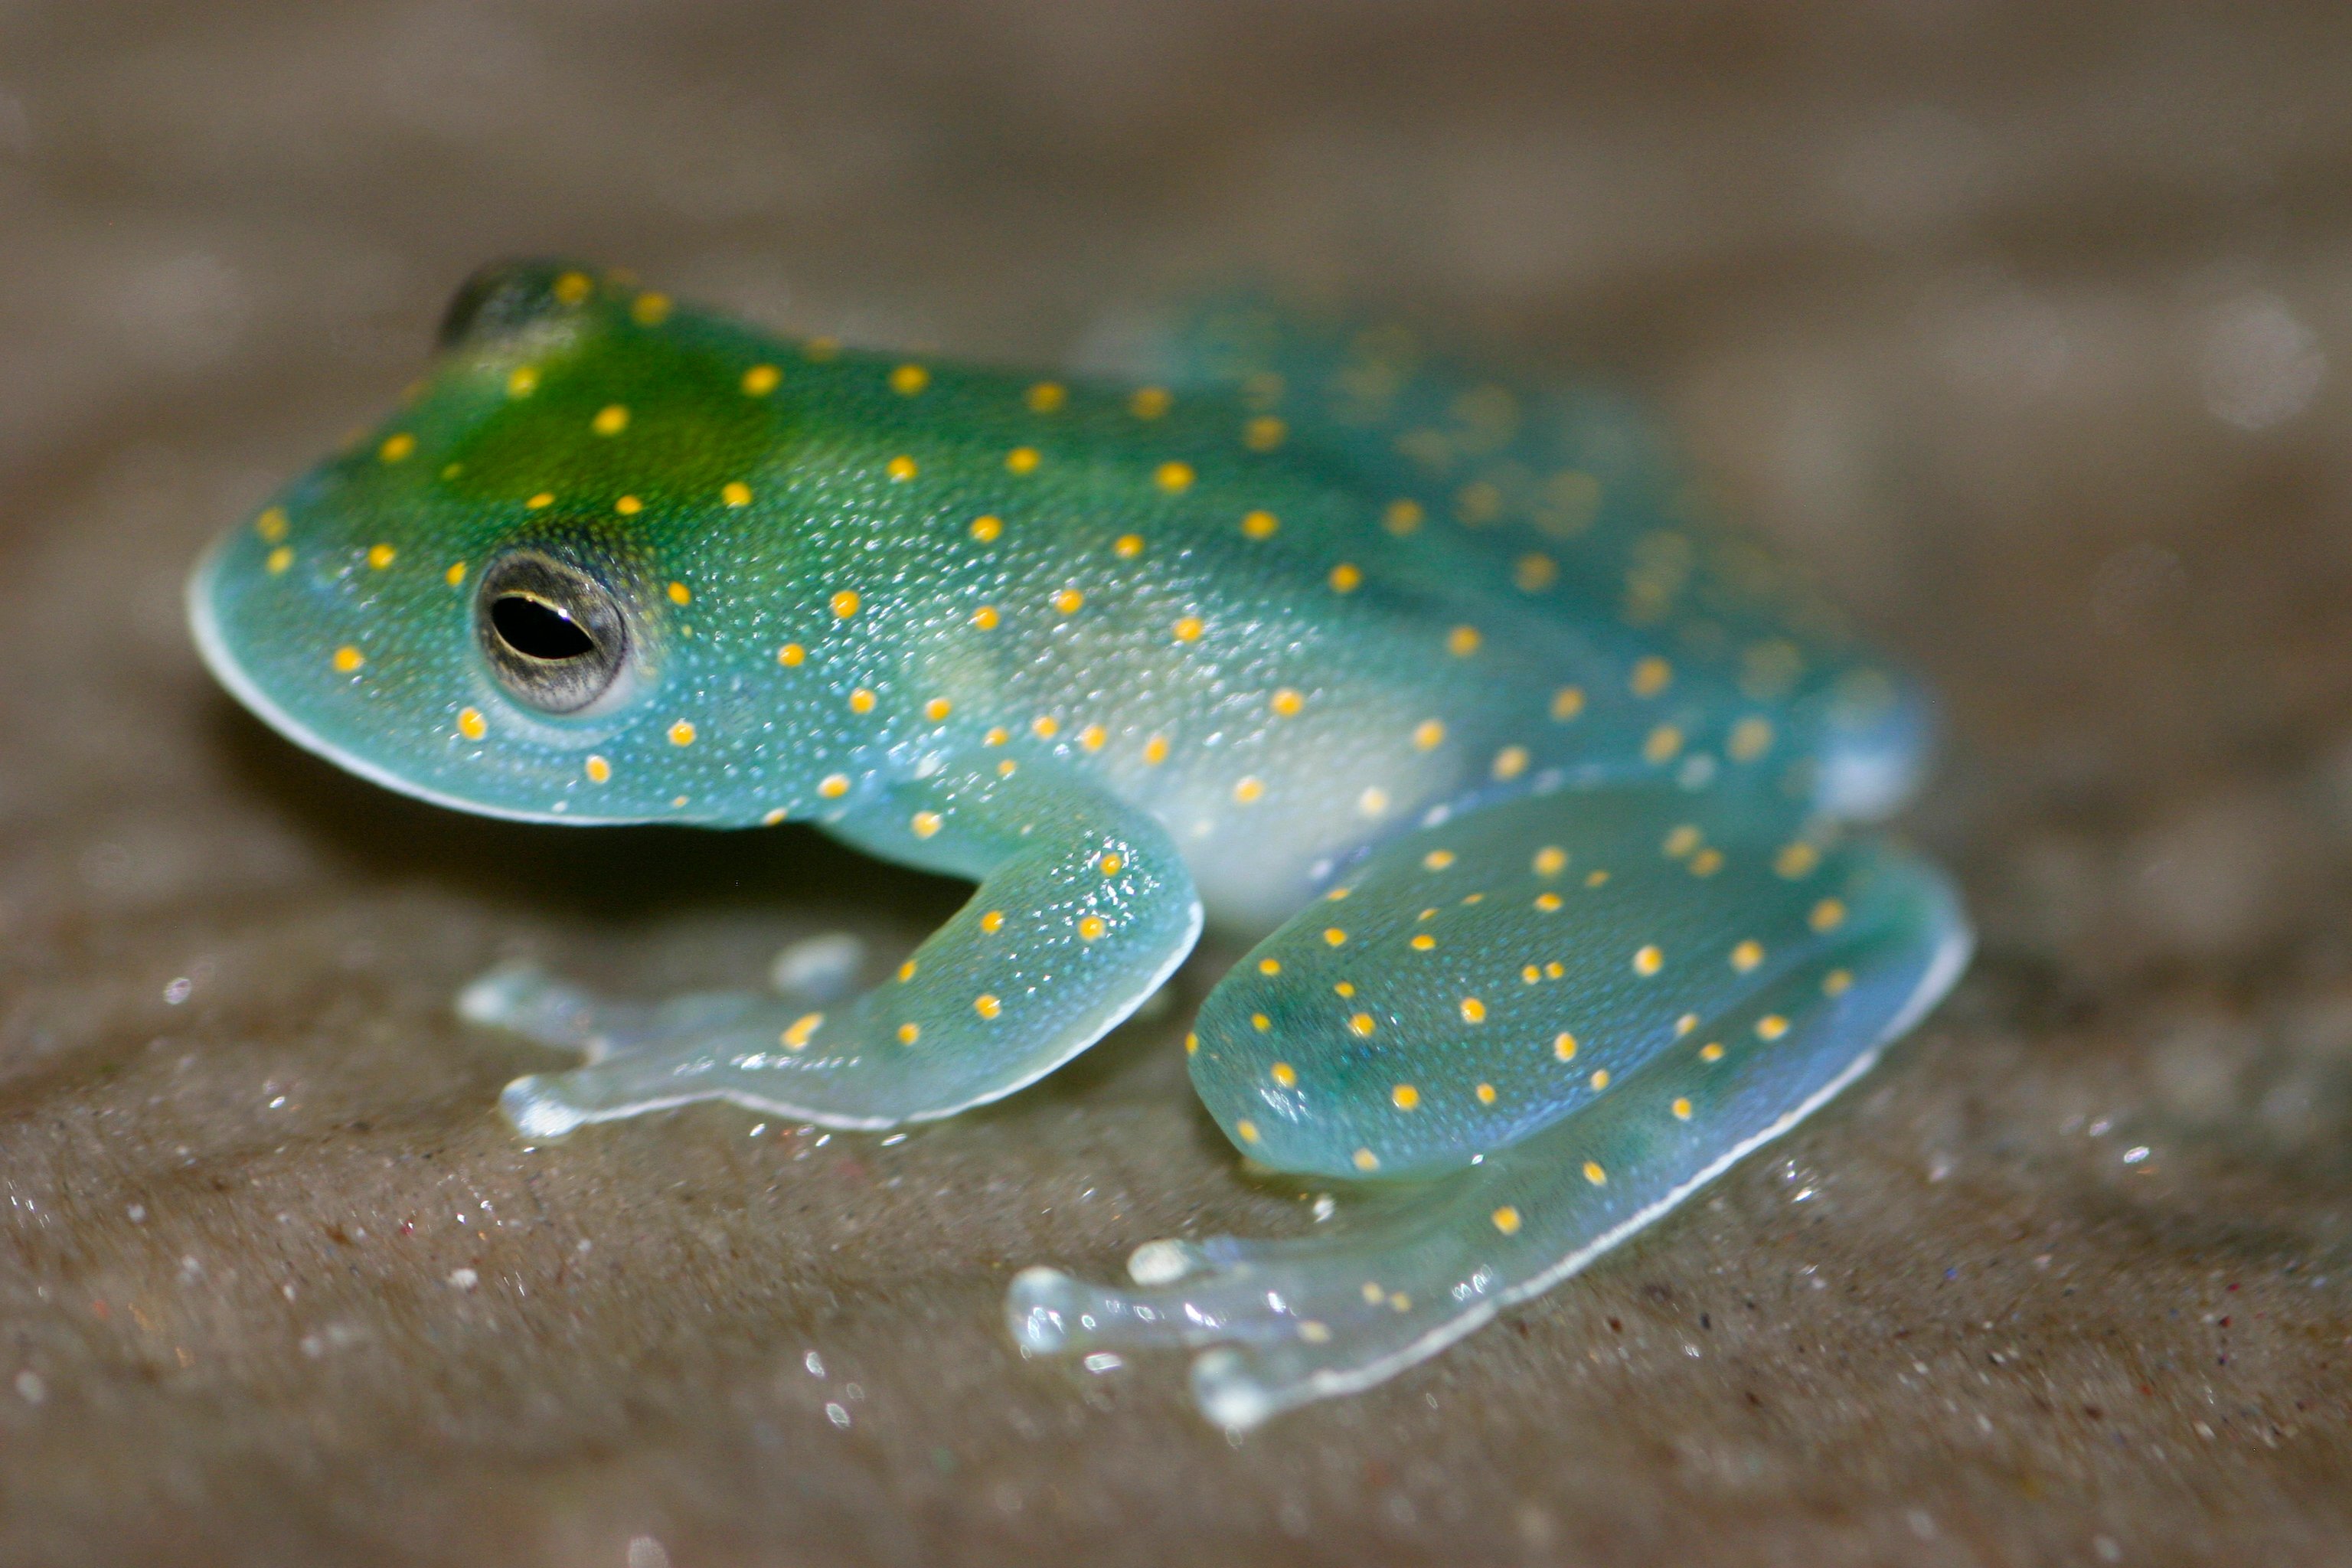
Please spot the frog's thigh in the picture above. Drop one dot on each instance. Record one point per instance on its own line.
(1882, 938)
(1065, 936)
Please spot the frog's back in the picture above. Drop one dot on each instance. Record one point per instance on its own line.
(1296, 599)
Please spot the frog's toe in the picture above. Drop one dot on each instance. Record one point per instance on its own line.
(549, 1105)
(523, 999)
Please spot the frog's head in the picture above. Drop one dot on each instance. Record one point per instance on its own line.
(504, 599)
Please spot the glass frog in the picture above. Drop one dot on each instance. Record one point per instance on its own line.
(1539, 792)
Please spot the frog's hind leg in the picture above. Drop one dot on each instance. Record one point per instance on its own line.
(1750, 1042)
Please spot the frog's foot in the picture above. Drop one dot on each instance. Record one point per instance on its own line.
(1067, 935)
(523, 999)
(1281, 1323)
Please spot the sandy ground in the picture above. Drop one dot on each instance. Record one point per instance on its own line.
(2031, 326)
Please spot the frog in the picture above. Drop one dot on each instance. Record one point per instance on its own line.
(1544, 802)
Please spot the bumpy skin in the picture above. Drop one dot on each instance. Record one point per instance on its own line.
(1533, 772)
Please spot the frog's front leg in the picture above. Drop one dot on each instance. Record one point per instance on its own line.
(1084, 908)
(1558, 1019)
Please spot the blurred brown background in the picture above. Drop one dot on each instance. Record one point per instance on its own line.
(2029, 325)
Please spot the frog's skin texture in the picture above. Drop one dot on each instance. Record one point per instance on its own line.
(1534, 775)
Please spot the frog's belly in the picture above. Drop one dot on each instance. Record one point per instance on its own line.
(1260, 849)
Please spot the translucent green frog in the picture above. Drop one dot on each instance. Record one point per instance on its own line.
(1533, 774)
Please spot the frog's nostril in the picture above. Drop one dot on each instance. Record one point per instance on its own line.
(536, 629)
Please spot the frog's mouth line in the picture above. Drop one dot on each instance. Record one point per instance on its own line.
(204, 625)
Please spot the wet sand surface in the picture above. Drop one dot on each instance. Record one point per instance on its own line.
(2032, 332)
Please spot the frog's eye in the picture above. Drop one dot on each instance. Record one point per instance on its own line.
(555, 637)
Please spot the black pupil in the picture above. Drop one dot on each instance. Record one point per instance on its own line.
(538, 630)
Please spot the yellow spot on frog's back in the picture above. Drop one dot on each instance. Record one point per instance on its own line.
(381, 555)
(1110, 865)
(1472, 1010)
(1404, 1097)
(986, 529)
(1334, 936)
(1567, 702)
(1283, 1074)
(791, 655)
(522, 380)
(1346, 578)
(1068, 601)
(1662, 744)
(1423, 942)
(573, 288)
(682, 733)
(1796, 860)
(909, 1032)
(1093, 737)
(1595, 1174)
(1045, 726)
(1047, 396)
(1681, 1108)
(1548, 902)
(986, 618)
(1750, 739)
(1563, 1045)
(1149, 402)
(735, 492)
(901, 468)
(936, 709)
(1189, 629)
(349, 659)
(1462, 641)
(610, 419)
(1021, 460)
(992, 922)
(1711, 1052)
(1363, 1024)
(1771, 1026)
(1836, 982)
(1287, 702)
(986, 1006)
(909, 379)
(1437, 859)
(471, 725)
(271, 525)
(1706, 862)
(1550, 861)
(544, 500)
(599, 771)
(1247, 1129)
(680, 594)
(1250, 791)
(1365, 1160)
(861, 701)
(1127, 546)
(1485, 1094)
(396, 448)
(1155, 750)
(1648, 962)
(1260, 524)
(1747, 956)
(1428, 735)
(1828, 915)
(772, 817)
(760, 380)
(1401, 517)
(844, 604)
(1534, 573)
(924, 823)
(797, 1034)
(1506, 1220)
(456, 575)
(1174, 476)
(1651, 676)
(1264, 433)
(1510, 761)
(1260, 1022)
(1269, 967)
(1091, 928)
